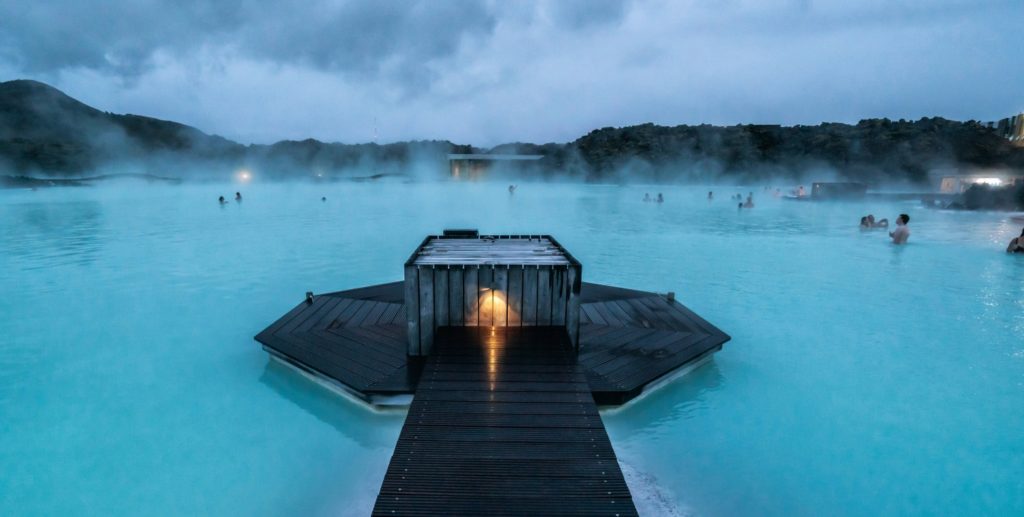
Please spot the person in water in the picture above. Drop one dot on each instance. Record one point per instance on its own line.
(1016, 244)
(750, 201)
(902, 232)
(647, 196)
(800, 192)
(238, 196)
(661, 198)
(864, 224)
(323, 199)
(221, 200)
(870, 219)
(711, 195)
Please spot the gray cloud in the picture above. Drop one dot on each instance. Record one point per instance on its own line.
(347, 36)
(488, 71)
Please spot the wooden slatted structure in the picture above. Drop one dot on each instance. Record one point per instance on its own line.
(629, 340)
(503, 423)
(490, 280)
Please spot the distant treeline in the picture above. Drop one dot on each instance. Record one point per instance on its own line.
(43, 131)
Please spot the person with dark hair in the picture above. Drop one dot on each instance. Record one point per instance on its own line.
(238, 196)
(750, 201)
(864, 224)
(711, 195)
(902, 232)
(661, 198)
(884, 223)
(1016, 244)
(221, 200)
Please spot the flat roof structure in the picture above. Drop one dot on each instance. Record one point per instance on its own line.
(535, 250)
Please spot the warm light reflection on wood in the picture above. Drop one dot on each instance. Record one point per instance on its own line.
(493, 343)
(493, 309)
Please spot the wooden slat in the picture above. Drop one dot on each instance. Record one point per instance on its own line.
(544, 296)
(501, 296)
(484, 295)
(412, 308)
(456, 295)
(471, 282)
(440, 296)
(530, 296)
(515, 296)
(426, 291)
(572, 305)
(558, 297)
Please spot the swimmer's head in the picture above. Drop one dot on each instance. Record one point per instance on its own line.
(904, 218)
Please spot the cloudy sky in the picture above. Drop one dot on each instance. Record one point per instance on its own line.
(491, 71)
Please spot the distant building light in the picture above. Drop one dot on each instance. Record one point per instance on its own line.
(995, 182)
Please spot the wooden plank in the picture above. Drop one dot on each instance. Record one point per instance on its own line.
(331, 318)
(484, 295)
(456, 295)
(501, 296)
(412, 309)
(572, 314)
(559, 297)
(389, 314)
(544, 296)
(592, 314)
(364, 310)
(471, 282)
(515, 296)
(440, 296)
(530, 296)
(317, 316)
(426, 290)
(608, 316)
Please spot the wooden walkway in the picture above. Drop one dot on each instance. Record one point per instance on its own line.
(628, 340)
(503, 423)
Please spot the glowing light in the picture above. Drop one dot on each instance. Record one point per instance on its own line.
(995, 182)
(243, 175)
(494, 309)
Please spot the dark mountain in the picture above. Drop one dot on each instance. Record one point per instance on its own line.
(873, 150)
(42, 130)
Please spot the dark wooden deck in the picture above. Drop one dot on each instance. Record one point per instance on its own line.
(628, 340)
(503, 423)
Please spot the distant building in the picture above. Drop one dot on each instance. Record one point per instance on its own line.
(475, 166)
(959, 183)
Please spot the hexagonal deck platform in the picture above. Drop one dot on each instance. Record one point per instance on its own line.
(356, 339)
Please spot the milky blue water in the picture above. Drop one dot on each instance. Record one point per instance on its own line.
(862, 378)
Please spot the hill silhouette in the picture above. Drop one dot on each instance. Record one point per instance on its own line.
(43, 130)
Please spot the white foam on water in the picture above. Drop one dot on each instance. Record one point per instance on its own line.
(650, 498)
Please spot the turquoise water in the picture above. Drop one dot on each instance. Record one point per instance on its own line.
(862, 378)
